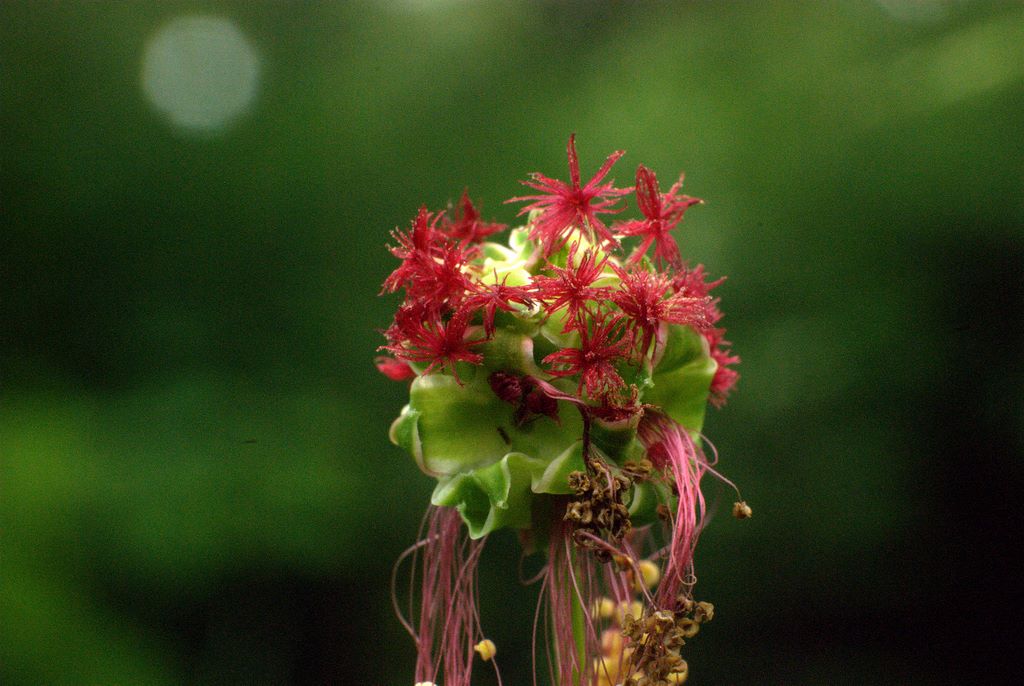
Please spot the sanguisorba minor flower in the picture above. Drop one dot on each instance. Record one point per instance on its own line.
(558, 387)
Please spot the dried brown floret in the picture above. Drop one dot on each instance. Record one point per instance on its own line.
(741, 510)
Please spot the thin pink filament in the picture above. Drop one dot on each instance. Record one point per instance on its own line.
(448, 623)
(671, 449)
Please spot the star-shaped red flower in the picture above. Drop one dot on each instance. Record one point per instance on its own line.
(565, 206)
(468, 227)
(420, 338)
(644, 299)
(572, 286)
(601, 346)
(662, 213)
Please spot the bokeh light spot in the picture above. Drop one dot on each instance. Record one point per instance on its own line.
(201, 71)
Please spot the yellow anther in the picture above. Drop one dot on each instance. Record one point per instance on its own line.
(679, 676)
(611, 642)
(486, 649)
(607, 670)
(602, 679)
(424, 683)
(741, 510)
(650, 572)
(634, 609)
(603, 608)
(637, 677)
(663, 620)
(705, 612)
(687, 627)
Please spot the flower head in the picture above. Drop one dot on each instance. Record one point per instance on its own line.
(577, 424)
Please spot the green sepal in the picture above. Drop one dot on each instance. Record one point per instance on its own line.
(681, 346)
(643, 508)
(553, 331)
(498, 253)
(518, 322)
(404, 433)
(615, 439)
(682, 378)
(510, 351)
(520, 243)
(492, 497)
(555, 478)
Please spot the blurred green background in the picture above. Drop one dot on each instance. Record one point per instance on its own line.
(194, 200)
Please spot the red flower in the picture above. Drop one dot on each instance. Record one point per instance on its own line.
(396, 370)
(693, 283)
(572, 286)
(422, 237)
(601, 346)
(565, 206)
(433, 270)
(725, 377)
(430, 340)
(467, 227)
(490, 298)
(662, 213)
(642, 299)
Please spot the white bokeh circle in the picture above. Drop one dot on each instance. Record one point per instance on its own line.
(200, 71)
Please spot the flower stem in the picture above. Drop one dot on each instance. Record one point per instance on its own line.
(579, 629)
(579, 626)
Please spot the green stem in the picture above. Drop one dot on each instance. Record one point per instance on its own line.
(579, 628)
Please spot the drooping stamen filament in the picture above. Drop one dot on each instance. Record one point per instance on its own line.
(671, 449)
(448, 623)
(567, 589)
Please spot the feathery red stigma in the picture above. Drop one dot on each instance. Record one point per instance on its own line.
(468, 227)
(642, 298)
(428, 339)
(602, 344)
(568, 205)
(572, 286)
(662, 212)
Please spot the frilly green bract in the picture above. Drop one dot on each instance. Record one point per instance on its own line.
(488, 468)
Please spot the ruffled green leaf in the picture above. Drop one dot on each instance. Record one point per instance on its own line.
(616, 439)
(500, 495)
(489, 469)
(450, 428)
(682, 346)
